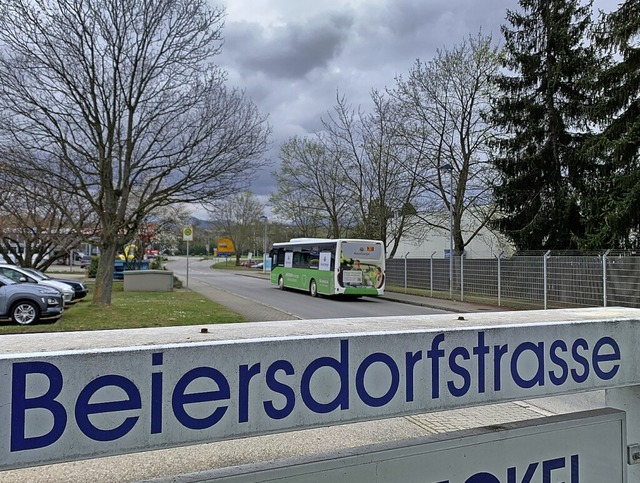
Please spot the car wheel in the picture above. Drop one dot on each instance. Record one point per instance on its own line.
(25, 313)
(280, 283)
(313, 288)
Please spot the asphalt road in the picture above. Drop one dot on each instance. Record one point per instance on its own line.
(258, 290)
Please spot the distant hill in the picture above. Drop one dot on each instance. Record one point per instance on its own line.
(204, 224)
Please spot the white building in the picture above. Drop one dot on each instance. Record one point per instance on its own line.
(436, 243)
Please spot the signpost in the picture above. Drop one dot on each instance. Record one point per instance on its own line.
(187, 235)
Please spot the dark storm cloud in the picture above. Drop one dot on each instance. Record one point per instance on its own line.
(294, 56)
(291, 50)
(445, 17)
(394, 35)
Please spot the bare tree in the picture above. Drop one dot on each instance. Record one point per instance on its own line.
(237, 218)
(311, 186)
(33, 232)
(297, 208)
(121, 96)
(444, 103)
(161, 226)
(378, 170)
(168, 222)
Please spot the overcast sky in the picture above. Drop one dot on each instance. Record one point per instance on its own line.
(292, 56)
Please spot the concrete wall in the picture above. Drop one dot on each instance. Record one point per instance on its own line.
(148, 281)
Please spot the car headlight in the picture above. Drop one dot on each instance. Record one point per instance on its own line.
(50, 300)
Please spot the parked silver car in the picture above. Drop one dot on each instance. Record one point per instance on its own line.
(20, 275)
(27, 303)
(80, 289)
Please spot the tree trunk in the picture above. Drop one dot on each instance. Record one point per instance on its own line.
(104, 276)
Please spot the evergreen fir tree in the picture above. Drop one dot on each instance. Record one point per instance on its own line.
(541, 118)
(613, 205)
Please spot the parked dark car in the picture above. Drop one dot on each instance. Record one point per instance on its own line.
(27, 303)
(78, 287)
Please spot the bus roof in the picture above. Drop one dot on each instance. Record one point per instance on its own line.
(325, 240)
(310, 240)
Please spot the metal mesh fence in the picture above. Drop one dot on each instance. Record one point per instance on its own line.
(531, 281)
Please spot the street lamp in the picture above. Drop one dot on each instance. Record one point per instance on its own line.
(264, 244)
(450, 169)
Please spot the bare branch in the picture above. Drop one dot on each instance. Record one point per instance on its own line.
(113, 97)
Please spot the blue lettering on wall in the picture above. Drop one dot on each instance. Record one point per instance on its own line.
(482, 478)
(201, 397)
(156, 394)
(84, 408)
(538, 378)
(581, 360)
(280, 388)
(246, 373)
(181, 398)
(547, 471)
(598, 358)
(460, 371)
(342, 369)
(393, 387)
(558, 380)
(20, 404)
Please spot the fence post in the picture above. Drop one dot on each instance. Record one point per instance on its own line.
(405, 271)
(462, 276)
(604, 277)
(544, 268)
(431, 273)
(499, 278)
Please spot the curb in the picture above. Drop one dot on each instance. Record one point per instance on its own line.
(448, 305)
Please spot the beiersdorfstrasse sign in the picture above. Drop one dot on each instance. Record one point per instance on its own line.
(73, 404)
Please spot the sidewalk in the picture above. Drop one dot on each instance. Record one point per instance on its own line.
(442, 304)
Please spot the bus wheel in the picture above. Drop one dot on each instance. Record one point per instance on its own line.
(280, 283)
(313, 288)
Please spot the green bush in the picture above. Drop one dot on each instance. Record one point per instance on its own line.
(93, 267)
(156, 264)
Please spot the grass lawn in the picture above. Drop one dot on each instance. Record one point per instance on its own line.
(134, 310)
(229, 264)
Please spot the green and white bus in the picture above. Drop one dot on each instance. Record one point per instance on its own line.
(349, 267)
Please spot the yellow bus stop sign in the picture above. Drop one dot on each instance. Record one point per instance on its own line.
(187, 233)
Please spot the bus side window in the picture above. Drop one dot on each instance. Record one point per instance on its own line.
(301, 260)
(279, 258)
